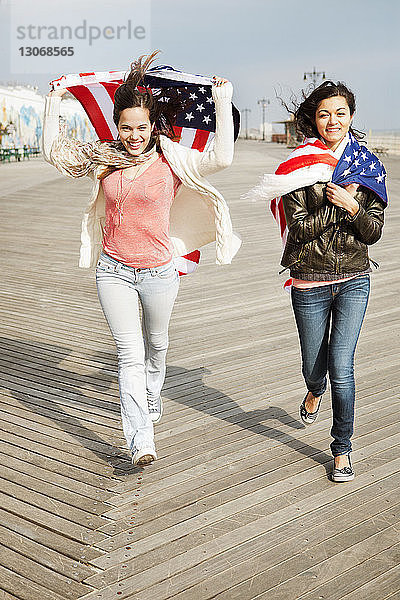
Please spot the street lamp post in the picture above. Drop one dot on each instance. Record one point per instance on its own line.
(246, 111)
(314, 75)
(264, 103)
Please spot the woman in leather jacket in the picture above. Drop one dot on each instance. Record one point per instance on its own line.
(329, 229)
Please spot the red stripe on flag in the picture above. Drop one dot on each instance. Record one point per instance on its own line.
(85, 97)
(111, 87)
(315, 143)
(193, 256)
(200, 139)
(282, 218)
(178, 132)
(287, 285)
(305, 161)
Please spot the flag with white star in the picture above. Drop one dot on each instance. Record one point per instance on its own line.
(194, 126)
(358, 165)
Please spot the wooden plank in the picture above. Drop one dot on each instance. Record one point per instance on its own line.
(375, 579)
(243, 482)
(77, 507)
(167, 529)
(304, 532)
(6, 596)
(34, 571)
(50, 464)
(194, 466)
(54, 438)
(53, 540)
(267, 584)
(19, 420)
(205, 497)
(71, 423)
(256, 574)
(52, 521)
(90, 496)
(27, 589)
(84, 464)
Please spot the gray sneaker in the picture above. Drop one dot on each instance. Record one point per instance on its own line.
(143, 457)
(155, 409)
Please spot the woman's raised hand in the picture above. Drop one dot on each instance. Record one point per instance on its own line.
(221, 87)
(58, 92)
(218, 81)
(343, 197)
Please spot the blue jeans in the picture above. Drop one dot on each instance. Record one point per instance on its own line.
(142, 346)
(329, 320)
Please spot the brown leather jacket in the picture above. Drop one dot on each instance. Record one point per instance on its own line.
(324, 242)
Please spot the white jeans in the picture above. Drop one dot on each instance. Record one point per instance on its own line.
(142, 347)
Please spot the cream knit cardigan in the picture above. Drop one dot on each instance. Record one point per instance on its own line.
(199, 214)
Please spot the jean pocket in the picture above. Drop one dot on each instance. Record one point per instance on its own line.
(166, 271)
(302, 290)
(104, 267)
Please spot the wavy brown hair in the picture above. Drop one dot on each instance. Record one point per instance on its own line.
(304, 113)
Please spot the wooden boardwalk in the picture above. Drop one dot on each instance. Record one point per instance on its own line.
(239, 505)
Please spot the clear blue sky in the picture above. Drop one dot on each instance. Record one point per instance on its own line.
(263, 45)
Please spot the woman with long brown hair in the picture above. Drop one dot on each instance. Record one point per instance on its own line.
(150, 202)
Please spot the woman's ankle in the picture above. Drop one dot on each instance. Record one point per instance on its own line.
(342, 461)
(311, 403)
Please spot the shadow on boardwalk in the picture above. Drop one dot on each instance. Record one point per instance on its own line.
(50, 388)
(41, 363)
(253, 420)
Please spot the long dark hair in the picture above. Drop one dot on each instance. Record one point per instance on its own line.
(304, 113)
(133, 93)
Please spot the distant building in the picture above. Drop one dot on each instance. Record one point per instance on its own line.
(292, 137)
(279, 138)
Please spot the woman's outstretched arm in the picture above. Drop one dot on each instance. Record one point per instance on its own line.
(68, 155)
(221, 154)
(51, 120)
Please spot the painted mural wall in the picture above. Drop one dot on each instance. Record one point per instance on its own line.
(21, 118)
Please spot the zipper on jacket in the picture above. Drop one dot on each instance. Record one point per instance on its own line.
(296, 261)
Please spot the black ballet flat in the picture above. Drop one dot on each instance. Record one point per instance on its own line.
(308, 418)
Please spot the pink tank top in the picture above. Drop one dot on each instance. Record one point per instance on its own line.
(136, 232)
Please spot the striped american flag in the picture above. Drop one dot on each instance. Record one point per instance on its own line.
(194, 126)
(356, 165)
(311, 152)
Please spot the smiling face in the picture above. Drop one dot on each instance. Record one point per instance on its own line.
(333, 120)
(135, 129)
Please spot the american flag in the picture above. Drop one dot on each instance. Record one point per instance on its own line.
(356, 165)
(194, 127)
(311, 152)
